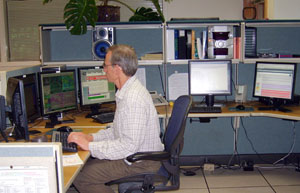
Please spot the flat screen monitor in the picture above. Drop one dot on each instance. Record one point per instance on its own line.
(274, 82)
(31, 167)
(15, 97)
(58, 93)
(3, 118)
(210, 78)
(31, 96)
(94, 88)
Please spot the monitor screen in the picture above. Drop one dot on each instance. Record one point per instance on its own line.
(31, 96)
(209, 78)
(31, 167)
(274, 80)
(94, 87)
(15, 97)
(57, 93)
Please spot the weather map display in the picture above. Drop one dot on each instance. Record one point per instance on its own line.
(58, 91)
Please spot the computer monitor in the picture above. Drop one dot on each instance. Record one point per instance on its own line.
(31, 167)
(57, 94)
(3, 118)
(15, 97)
(94, 88)
(209, 78)
(274, 83)
(31, 96)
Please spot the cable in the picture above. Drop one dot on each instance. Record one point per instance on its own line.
(235, 151)
(162, 82)
(252, 146)
(292, 146)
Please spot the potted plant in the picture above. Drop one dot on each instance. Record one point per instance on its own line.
(79, 13)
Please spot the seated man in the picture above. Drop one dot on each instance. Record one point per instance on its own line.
(135, 128)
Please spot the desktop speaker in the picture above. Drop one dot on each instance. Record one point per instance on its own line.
(103, 38)
(220, 42)
(241, 93)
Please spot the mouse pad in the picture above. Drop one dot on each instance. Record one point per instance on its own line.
(246, 109)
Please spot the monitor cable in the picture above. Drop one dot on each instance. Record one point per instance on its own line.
(251, 143)
(235, 148)
(162, 82)
(292, 146)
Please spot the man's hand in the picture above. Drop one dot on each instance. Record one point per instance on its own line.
(80, 139)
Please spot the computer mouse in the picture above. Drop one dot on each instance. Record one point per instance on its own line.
(240, 107)
(65, 129)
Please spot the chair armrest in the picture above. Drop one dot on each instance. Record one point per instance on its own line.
(152, 155)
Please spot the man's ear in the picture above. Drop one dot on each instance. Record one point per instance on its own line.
(118, 68)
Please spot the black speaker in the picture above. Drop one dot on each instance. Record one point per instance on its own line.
(103, 38)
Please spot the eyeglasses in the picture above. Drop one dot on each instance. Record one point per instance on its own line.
(105, 65)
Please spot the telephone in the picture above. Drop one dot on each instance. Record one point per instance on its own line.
(157, 99)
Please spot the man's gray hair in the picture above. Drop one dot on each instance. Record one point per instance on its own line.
(125, 57)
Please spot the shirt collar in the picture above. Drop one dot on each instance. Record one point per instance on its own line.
(122, 92)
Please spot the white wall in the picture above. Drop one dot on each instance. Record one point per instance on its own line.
(286, 9)
(224, 9)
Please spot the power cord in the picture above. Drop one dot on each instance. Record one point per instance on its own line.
(252, 146)
(292, 146)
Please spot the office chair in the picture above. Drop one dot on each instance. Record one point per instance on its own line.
(167, 178)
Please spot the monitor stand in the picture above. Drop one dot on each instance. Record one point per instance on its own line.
(97, 110)
(4, 136)
(210, 100)
(273, 105)
(54, 121)
(281, 109)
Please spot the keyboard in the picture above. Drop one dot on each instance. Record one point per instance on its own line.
(205, 110)
(62, 137)
(104, 117)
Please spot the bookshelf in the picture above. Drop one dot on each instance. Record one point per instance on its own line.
(59, 46)
(276, 40)
(202, 31)
(277, 37)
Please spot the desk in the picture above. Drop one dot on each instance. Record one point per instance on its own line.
(70, 172)
(294, 115)
(218, 138)
(86, 125)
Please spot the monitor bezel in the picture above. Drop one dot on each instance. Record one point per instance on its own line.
(229, 74)
(40, 74)
(23, 132)
(275, 63)
(37, 114)
(3, 118)
(80, 87)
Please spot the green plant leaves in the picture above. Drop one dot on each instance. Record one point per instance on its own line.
(79, 13)
(145, 14)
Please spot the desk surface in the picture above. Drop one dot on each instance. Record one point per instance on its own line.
(293, 115)
(70, 172)
(87, 125)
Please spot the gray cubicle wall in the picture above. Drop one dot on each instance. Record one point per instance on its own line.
(261, 135)
(58, 45)
(278, 40)
(268, 135)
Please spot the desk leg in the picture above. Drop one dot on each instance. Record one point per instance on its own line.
(236, 126)
(236, 122)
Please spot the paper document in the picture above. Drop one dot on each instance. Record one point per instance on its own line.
(141, 76)
(72, 160)
(24, 179)
(178, 85)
